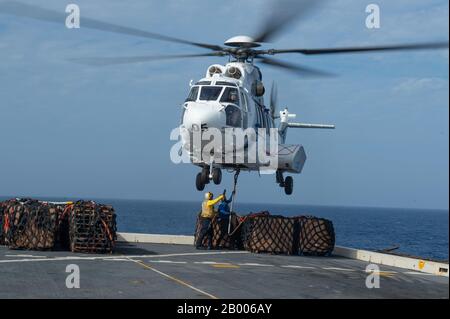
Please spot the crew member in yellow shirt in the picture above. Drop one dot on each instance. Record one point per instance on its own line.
(208, 213)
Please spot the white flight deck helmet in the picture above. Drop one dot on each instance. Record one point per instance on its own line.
(208, 195)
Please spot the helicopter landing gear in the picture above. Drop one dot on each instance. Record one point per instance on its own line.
(202, 179)
(199, 182)
(206, 175)
(217, 176)
(214, 173)
(287, 183)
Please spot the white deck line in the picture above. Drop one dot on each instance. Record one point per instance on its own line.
(420, 265)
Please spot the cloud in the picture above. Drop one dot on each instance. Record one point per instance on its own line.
(410, 85)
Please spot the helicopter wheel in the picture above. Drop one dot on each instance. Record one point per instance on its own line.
(288, 185)
(217, 176)
(199, 182)
(205, 176)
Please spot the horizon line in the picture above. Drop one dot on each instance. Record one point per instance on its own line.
(94, 198)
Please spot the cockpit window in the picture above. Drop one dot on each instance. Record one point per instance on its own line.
(210, 93)
(203, 83)
(230, 95)
(193, 94)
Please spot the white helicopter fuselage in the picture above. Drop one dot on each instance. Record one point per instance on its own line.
(231, 97)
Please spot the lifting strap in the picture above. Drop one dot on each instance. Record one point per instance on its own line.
(236, 175)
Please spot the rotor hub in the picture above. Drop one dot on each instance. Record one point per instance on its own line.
(242, 41)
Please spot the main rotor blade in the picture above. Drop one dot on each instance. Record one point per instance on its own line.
(401, 47)
(103, 61)
(282, 14)
(298, 69)
(34, 12)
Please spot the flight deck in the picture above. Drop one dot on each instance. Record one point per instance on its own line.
(152, 270)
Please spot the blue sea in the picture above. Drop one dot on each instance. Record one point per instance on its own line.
(420, 232)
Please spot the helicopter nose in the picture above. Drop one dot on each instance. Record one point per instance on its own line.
(198, 115)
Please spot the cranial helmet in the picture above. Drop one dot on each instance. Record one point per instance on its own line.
(208, 195)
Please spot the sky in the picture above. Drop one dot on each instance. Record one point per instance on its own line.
(70, 130)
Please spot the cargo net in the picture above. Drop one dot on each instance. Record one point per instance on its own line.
(30, 224)
(270, 234)
(92, 227)
(219, 231)
(317, 237)
(304, 235)
(2, 218)
(35, 225)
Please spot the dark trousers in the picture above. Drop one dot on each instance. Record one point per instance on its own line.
(205, 230)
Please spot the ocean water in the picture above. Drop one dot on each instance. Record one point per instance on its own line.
(421, 232)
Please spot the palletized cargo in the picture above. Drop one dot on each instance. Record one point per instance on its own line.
(62, 235)
(316, 236)
(30, 224)
(303, 235)
(92, 227)
(221, 239)
(271, 234)
(2, 222)
(35, 225)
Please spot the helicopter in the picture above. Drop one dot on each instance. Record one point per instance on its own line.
(231, 96)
